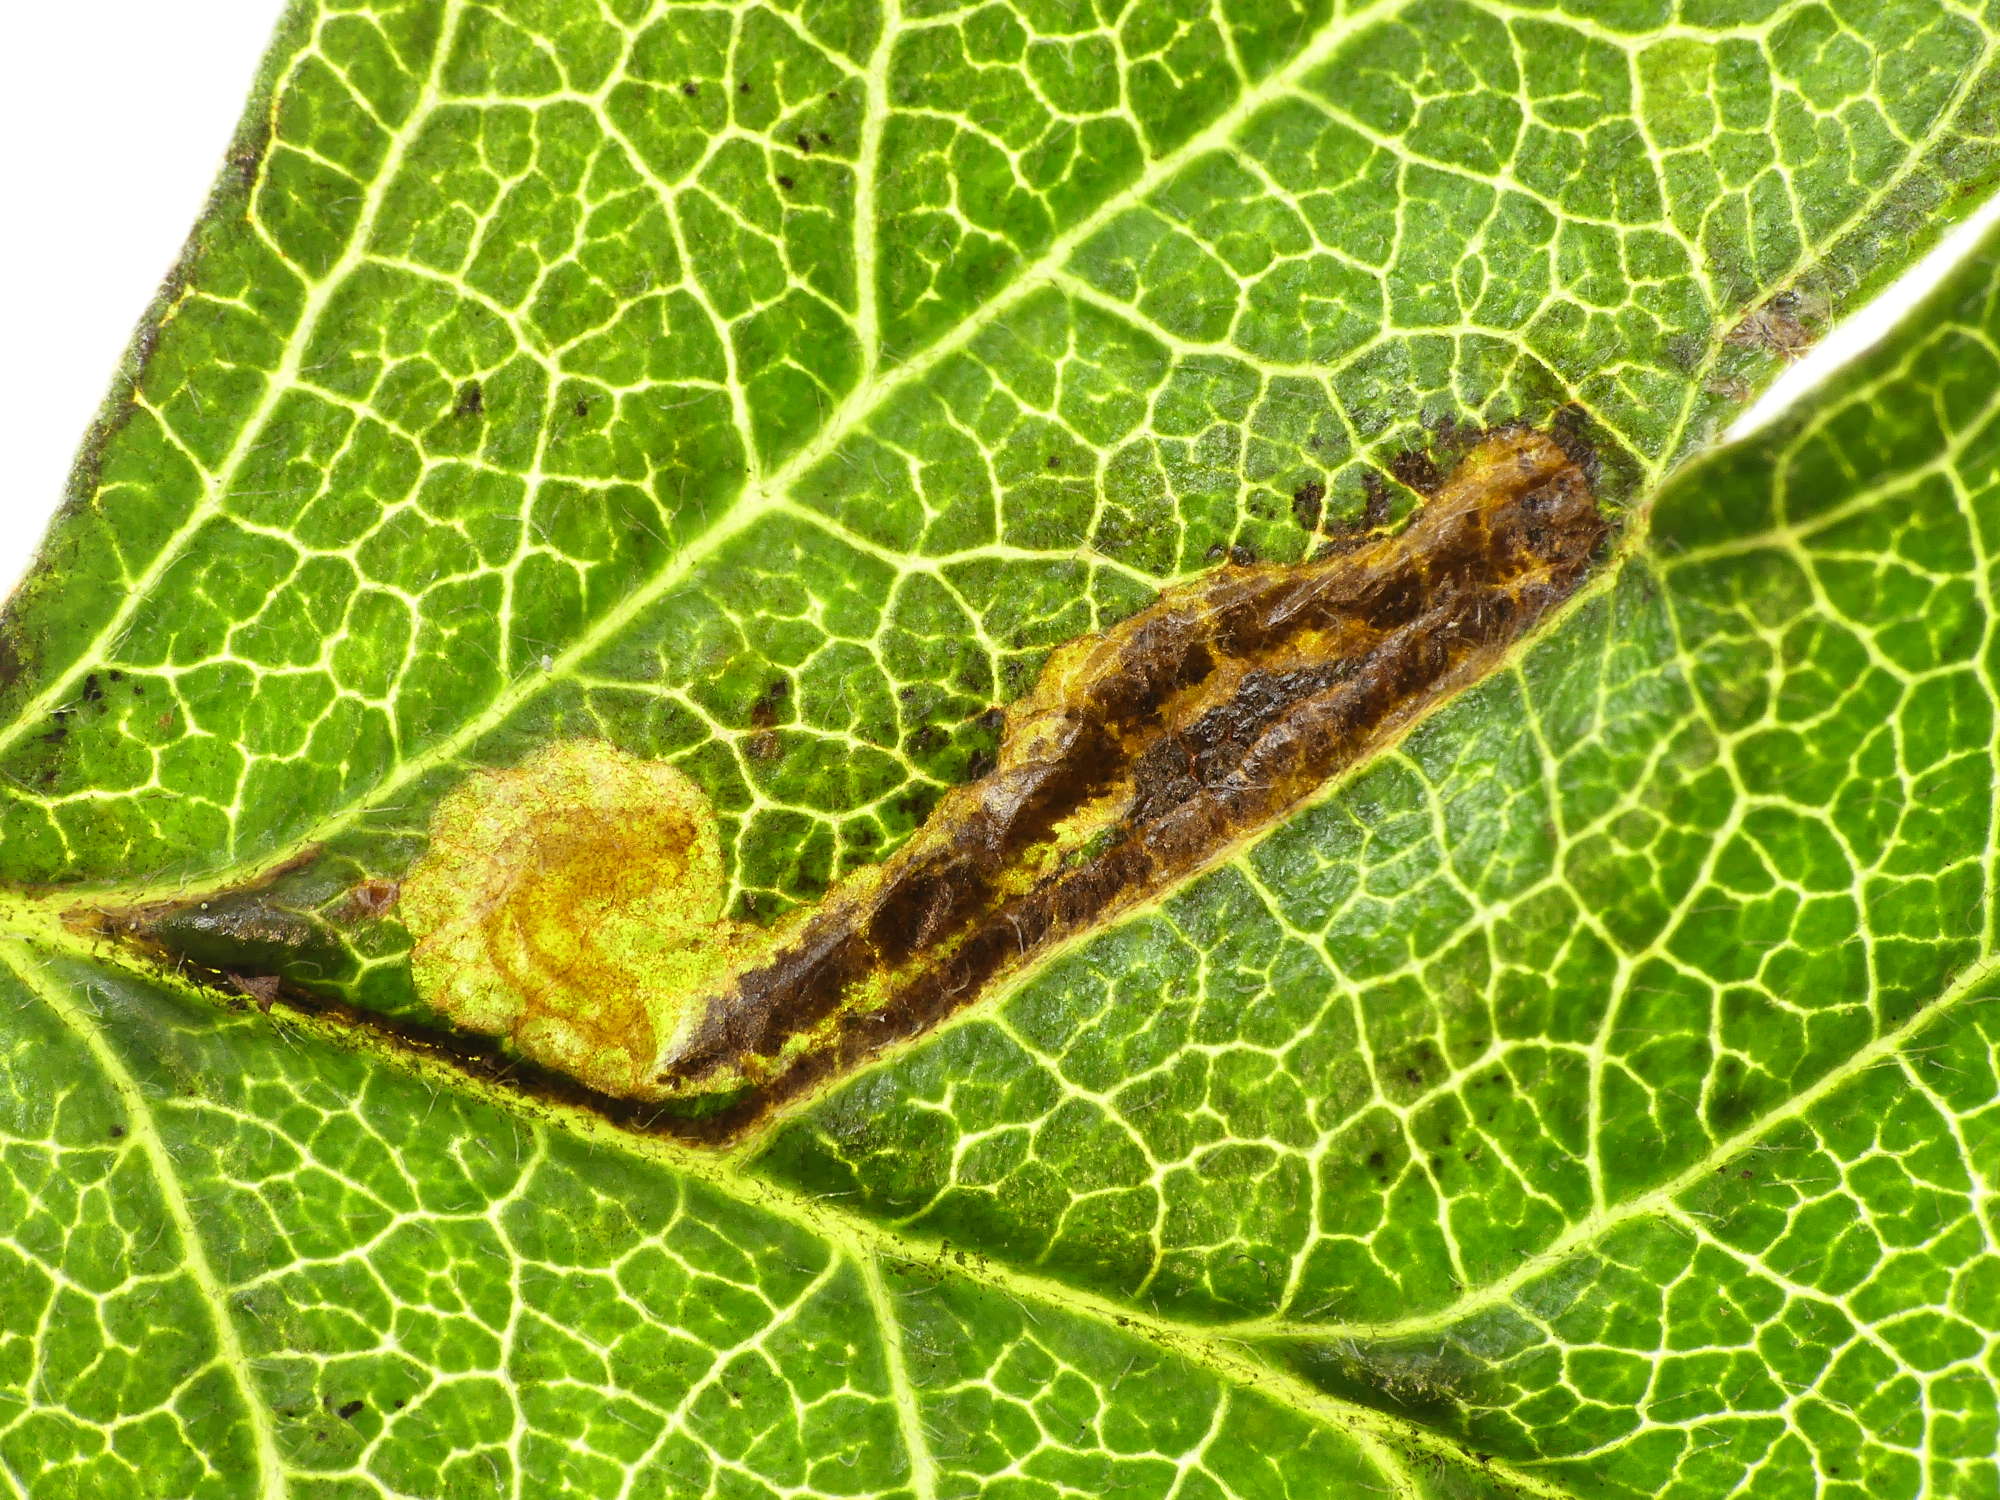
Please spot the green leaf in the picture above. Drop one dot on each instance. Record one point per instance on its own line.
(1591, 1092)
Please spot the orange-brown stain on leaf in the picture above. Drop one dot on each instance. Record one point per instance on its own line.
(368, 900)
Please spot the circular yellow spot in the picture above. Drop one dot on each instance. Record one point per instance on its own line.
(574, 906)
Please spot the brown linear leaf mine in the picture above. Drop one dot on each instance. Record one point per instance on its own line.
(1144, 752)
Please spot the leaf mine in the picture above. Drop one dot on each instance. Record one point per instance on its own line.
(574, 904)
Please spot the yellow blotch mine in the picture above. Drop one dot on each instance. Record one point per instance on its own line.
(573, 905)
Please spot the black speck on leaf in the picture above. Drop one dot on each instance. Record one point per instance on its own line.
(1306, 504)
(1416, 470)
(764, 712)
(1375, 506)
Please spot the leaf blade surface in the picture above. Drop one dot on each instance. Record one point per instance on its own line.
(548, 371)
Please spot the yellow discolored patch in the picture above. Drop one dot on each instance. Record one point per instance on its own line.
(573, 905)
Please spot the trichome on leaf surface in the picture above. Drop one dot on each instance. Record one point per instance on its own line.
(1024, 750)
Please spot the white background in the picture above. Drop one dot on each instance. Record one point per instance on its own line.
(114, 115)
